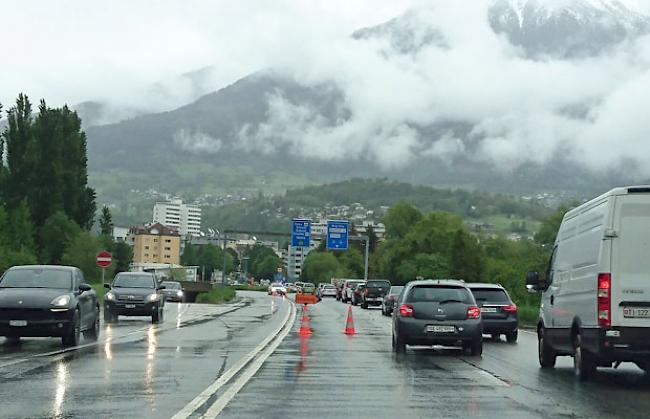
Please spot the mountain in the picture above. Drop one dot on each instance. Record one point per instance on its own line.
(240, 138)
(567, 28)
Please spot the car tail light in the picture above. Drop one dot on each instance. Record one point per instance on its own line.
(473, 312)
(406, 310)
(604, 299)
(365, 292)
(512, 308)
(391, 297)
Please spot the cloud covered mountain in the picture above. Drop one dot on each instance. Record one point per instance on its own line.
(510, 94)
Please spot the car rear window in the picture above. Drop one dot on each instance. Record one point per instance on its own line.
(396, 290)
(437, 293)
(171, 285)
(37, 278)
(378, 284)
(134, 281)
(490, 295)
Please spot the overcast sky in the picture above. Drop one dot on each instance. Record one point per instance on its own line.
(75, 50)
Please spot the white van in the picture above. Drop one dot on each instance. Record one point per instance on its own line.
(596, 291)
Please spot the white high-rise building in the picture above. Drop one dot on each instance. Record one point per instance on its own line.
(186, 218)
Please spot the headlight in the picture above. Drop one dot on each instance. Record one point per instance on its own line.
(61, 301)
(109, 296)
(153, 297)
(179, 294)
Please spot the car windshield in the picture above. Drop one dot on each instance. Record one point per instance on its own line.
(490, 295)
(134, 281)
(438, 294)
(37, 278)
(171, 285)
(378, 284)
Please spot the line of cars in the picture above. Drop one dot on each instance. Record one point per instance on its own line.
(56, 301)
(438, 312)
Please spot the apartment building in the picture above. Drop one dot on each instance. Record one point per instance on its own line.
(184, 217)
(156, 244)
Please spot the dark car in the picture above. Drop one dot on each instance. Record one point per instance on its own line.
(357, 290)
(134, 294)
(346, 291)
(497, 309)
(48, 301)
(374, 292)
(173, 291)
(389, 300)
(437, 312)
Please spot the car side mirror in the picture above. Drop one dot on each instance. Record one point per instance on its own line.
(107, 286)
(162, 287)
(85, 287)
(533, 283)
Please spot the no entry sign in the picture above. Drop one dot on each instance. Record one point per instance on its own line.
(104, 259)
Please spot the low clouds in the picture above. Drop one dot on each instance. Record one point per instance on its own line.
(197, 142)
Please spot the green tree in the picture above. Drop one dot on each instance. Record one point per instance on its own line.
(20, 230)
(122, 257)
(57, 232)
(19, 161)
(81, 252)
(321, 267)
(106, 222)
(267, 267)
(400, 219)
(352, 262)
(548, 230)
(373, 240)
(465, 257)
(190, 256)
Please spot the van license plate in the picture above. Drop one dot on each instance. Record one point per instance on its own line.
(18, 323)
(488, 310)
(636, 313)
(129, 305)
(441, 329)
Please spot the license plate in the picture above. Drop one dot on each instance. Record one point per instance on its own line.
(441, 329)
(638, 313)
(18, 323)
(129, 305)
(488, 310)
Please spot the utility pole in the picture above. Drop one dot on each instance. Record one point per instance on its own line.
(223, 273)
(365, 272)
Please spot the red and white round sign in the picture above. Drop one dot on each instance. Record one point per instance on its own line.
(104, 259)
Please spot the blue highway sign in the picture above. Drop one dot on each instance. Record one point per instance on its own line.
(337, 235)
(300, 232)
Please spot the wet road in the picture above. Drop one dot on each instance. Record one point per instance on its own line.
(136, 369)
(331, 375)
(246, 359)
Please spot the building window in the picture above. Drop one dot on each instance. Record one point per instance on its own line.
(155, 240)
(168, 248)
(146, 248)
(155, 256)
(168, 240)
(167, 256)
(146, 255)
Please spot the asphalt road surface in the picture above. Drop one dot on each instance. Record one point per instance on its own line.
(246, 359)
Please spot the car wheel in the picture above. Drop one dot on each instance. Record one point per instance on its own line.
(383, 310)
(399, 346)
(512, 336)
(545, 353)
(584, 365)
(12, 340)
(364, 306)
(92, 334)
(72, 337)
(157, 317)
(476, 347)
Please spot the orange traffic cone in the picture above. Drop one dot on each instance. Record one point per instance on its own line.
(304, 330)
(349, 324)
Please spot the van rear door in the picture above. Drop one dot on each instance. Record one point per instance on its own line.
(630, 263)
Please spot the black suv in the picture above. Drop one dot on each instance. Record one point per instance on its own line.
(374, 292)
(437, 312)
(134, 294)
(497, 309)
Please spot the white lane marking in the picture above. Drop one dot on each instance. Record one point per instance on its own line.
(528, 331)
(245, 377)
(202, 398)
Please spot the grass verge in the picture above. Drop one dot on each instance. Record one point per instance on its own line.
(528, 315)
(100, 290)
(217, 295)
(250, 288)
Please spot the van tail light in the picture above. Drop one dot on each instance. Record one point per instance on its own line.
(473, 312)
(512, 308)
(604, 299)
(406, 310)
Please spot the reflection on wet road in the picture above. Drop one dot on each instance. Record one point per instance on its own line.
(142, 370)
(136, 369)
(328, 374)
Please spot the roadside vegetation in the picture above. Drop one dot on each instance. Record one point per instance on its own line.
(217, 295)
(439, 245)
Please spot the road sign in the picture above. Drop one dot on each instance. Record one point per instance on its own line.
(300, 232)
(104, 259)
(337, 235)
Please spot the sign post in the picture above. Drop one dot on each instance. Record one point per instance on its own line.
(337, 234)
(104, 260)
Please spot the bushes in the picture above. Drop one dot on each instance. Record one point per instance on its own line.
(217, 295)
